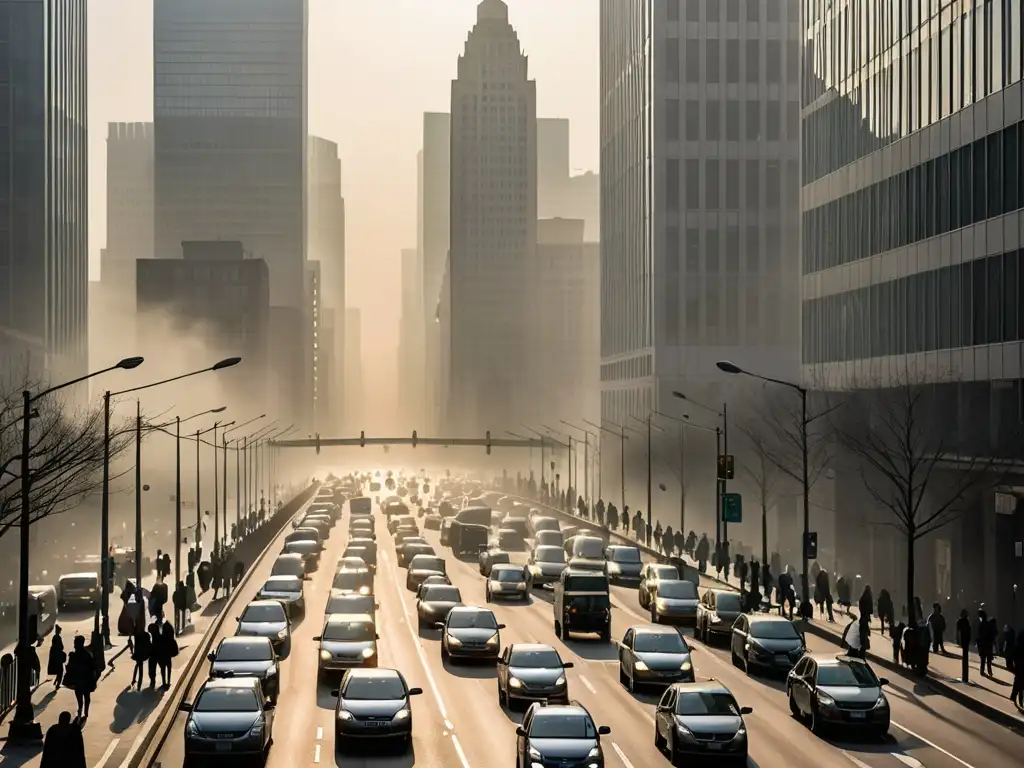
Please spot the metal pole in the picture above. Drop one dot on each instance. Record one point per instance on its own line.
(622, 465)
(725, 481)
(543, 474)
(650, 478)
(807, 495)
(216, 495)
(105, 564)
(245, 469)
(224, 483)
(138, 503)
(238, 487)
(177, 512)
(718, 488)
(682, 478)
(586, 469)
(199, 514)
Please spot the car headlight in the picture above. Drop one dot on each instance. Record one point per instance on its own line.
(402, 714)
(364, 590)
(452, 640)
(515, 682)
(686, 666)
(493, 640)
(683, 731)
(344, 714)
(640, 666)
(369, 653)
(534, 754)
(595, 752)
(191, 729)
(282, 634)
(560, 681)
(325, 655)
(741, 732)
(257, 729)
(824, 700)
(882, 702)
(521, 585)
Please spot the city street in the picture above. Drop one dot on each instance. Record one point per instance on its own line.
(458, 720)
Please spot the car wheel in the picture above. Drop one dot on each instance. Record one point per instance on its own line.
(630, 683)
(502, 698)
(487, 594)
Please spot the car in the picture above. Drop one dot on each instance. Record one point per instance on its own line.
(248, 657)
(77, 590)
(406, 532)
(373, 704)
(766, 642)
(289, 565)
(546, 563)
(446, 530)
(539, 522)
(304, 534)
(531, 672)
(368, 556)
(623, 563)
(322, 523)
(650, 574)
(508, 539)
(350, 602)
(348, 640)
(229, 717)
(434, 602)
(309, 550)
(716, 612)
(432, 521)
(675, 601)
(434, 578)
(287, 590)
(422, 566)
(516, 522)
(549, 539)
(410, 549)
(396, 521)
(358, 580)
(266, 618)
(652, 655)
(470, 632)
(586, 553)
(701, 720)
(489, 557)
(364, 542)
(838, 692)
(560, 734)
(350, 563)
(362, 526)
(508, 580)
(393, 507)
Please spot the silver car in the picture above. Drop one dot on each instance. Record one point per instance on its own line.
(229, 717)
(347, 641)
(701, 720)
(675, 601)
(546, 564)
(623, 563)
(350, 602)
(247, 657)
(266, 618)
(287, 590)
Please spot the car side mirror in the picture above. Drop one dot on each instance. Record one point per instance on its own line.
(883, 681)
(746, 710)
(335, 693)
(604, 730)
(520, 731)
(415, 691)
(501, 626)
(568, 665)
(184, 707)
(318, 638)
(211, 656)
(438, 625)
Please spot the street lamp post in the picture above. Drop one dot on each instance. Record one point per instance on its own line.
(622, 453)
(24, 728)
(543, 476)
(722, 487)
(731, 368)
(650, 461)
(238, 477)
(586, 460)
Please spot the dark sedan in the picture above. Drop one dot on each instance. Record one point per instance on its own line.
(532, 672)
(511, 581)
(434, 603)
(266, 618)
(701, 720)
(470, 633)
(770, 643)
(560, 735)
(654, 656)
(838, 692)
(229, 718)
(422, 566)
(247, 657)
(489, 557)
(373, 704)
(623, 564)
(716, 612)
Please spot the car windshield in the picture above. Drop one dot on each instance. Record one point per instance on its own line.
(665, 572)
(349, 631)
(706, 703)
(301, 535)
(352, 561)
(374, 688)
(727, 601)
(472, 620)
(227, 700)
(553, 726)
(83, 582)
(660, 642)
(773, 630)
(246, 651)
(853, 675)
(427, 563)
(625, 555)
(301, 546)
(550, 555)
(588, 547)
(442, 593)
(507, 574)
(273, 612)
(677, 590)
(351, 604)
(353, 580)
(498, 557)
(286, 586)
(358, 553)
(538, 659)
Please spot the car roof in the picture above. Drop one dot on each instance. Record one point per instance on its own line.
(623, 546)
(371, 672)
(704, 686)
(289, 556)
(531, 647)
(349, 618)
(834, 660)
(441, 586)
(471, 609)
(655, 629)
(80, 575)
(282, 577)
(264, 603)
(768, 619)
(242, 681)
(244, 640)
(561, 709)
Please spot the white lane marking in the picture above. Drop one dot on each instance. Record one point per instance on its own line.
(931, 744)
(622, 755)
(908, 760)
(854, 760)
(110, 750)
(316, 754)
(442, 709)
(588, 684)
(320, 733)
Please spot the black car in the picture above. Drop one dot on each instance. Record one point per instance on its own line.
(247, 657)
(717, 610)
(470, 633)
(562, 735)
(839, 692)
(373, 704)
(766, 642)
(654, 655)
(489, 557)
(701, 720)
(531, 672)
(434, 602)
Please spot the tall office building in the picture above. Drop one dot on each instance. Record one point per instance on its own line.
(230, 150)
(44, 203)
(411, 394)
(699, 199)
(912, 266)
(552, 165)
(493, 225)
(353, 372)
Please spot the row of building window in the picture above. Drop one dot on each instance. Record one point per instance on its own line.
(730, 184)
(731, 61)
(969, 185)
(738, 121)
(962, 305)
(730, 10)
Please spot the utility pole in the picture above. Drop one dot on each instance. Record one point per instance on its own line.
(725, 478)
(224, 441)
(199, 514)
(650, 478)
(586, 468)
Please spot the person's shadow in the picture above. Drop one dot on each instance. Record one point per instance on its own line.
(133, 707)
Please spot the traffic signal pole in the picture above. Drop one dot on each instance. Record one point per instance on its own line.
(725, 480)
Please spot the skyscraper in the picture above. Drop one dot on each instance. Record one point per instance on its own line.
(44, 205)
(230, 149)
(493, 225)
(411, 399)
(353, 373)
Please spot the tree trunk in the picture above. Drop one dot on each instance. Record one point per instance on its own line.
(911, 612)
(764, 534)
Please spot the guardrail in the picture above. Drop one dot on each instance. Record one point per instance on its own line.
(8, 683)
(148, 746)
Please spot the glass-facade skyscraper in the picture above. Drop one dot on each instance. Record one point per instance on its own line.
(44, 205)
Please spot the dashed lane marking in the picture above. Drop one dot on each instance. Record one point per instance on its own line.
(320, 733)
(931, 744)
(908, 760)
(316, 754)
(109, 751)
(589, 686)
(622, 755)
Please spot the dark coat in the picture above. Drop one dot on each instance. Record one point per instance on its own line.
(63, 747)
(81, 672)
(55, 661)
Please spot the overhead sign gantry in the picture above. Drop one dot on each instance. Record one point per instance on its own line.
(362, 441)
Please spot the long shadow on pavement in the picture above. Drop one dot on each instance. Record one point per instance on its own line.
(471, 669)
(14, 756)
(132, 707)
(375, 754)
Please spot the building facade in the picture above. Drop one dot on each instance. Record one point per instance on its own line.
(44, 203)
(412, 402)
(353, 371)
(912, 267)
(493, 226)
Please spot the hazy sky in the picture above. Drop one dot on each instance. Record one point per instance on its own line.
(374, 67)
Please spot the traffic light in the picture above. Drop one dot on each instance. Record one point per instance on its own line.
(414, 438)
(317, 443)
(726, 467)
(488, 442)
(811, 545)
(362, 439)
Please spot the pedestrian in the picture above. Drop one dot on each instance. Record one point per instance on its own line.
(180, 601)
(56, 658)
(647, 534)
(63, 746)
(741, 571)
(657, 537)
(668, 538)
(766, 579)
(1010, 648)
(1017, 693)
(785, 593)
(27, 655)
(852, 638)
(985, 642)
(885, 609)
(866, 604)
(680, 541)
(155, 641)
(937, 626)
(843, 594)
(167, 565)
(168, 650)
(963, 638)
(141, 647)
(81, 675)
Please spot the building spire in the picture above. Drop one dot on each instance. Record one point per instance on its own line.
(492, 9)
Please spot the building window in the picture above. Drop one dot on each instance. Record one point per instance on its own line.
(692, 118)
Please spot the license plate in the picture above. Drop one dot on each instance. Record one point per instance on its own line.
(858, 715)
(224, 746)
(374, 723)
(714, 746)
(782, 659)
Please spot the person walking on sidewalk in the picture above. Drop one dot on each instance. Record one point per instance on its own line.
(56, 658)
(168, 650)
(180, 602)
(64, 746)
(986, 641)
(155, 641)
(1017, 693)
(81, 675)
(141, 648)
(866, 604)
(963, 638)
(885, 609)
(937, 625)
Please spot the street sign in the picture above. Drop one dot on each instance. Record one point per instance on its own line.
(732, 508)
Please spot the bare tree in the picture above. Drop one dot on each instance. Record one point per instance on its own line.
(901, 443)
(783, 425)
(762, 471)
(65, 453)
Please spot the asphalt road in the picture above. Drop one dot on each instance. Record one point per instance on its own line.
(458, 722)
